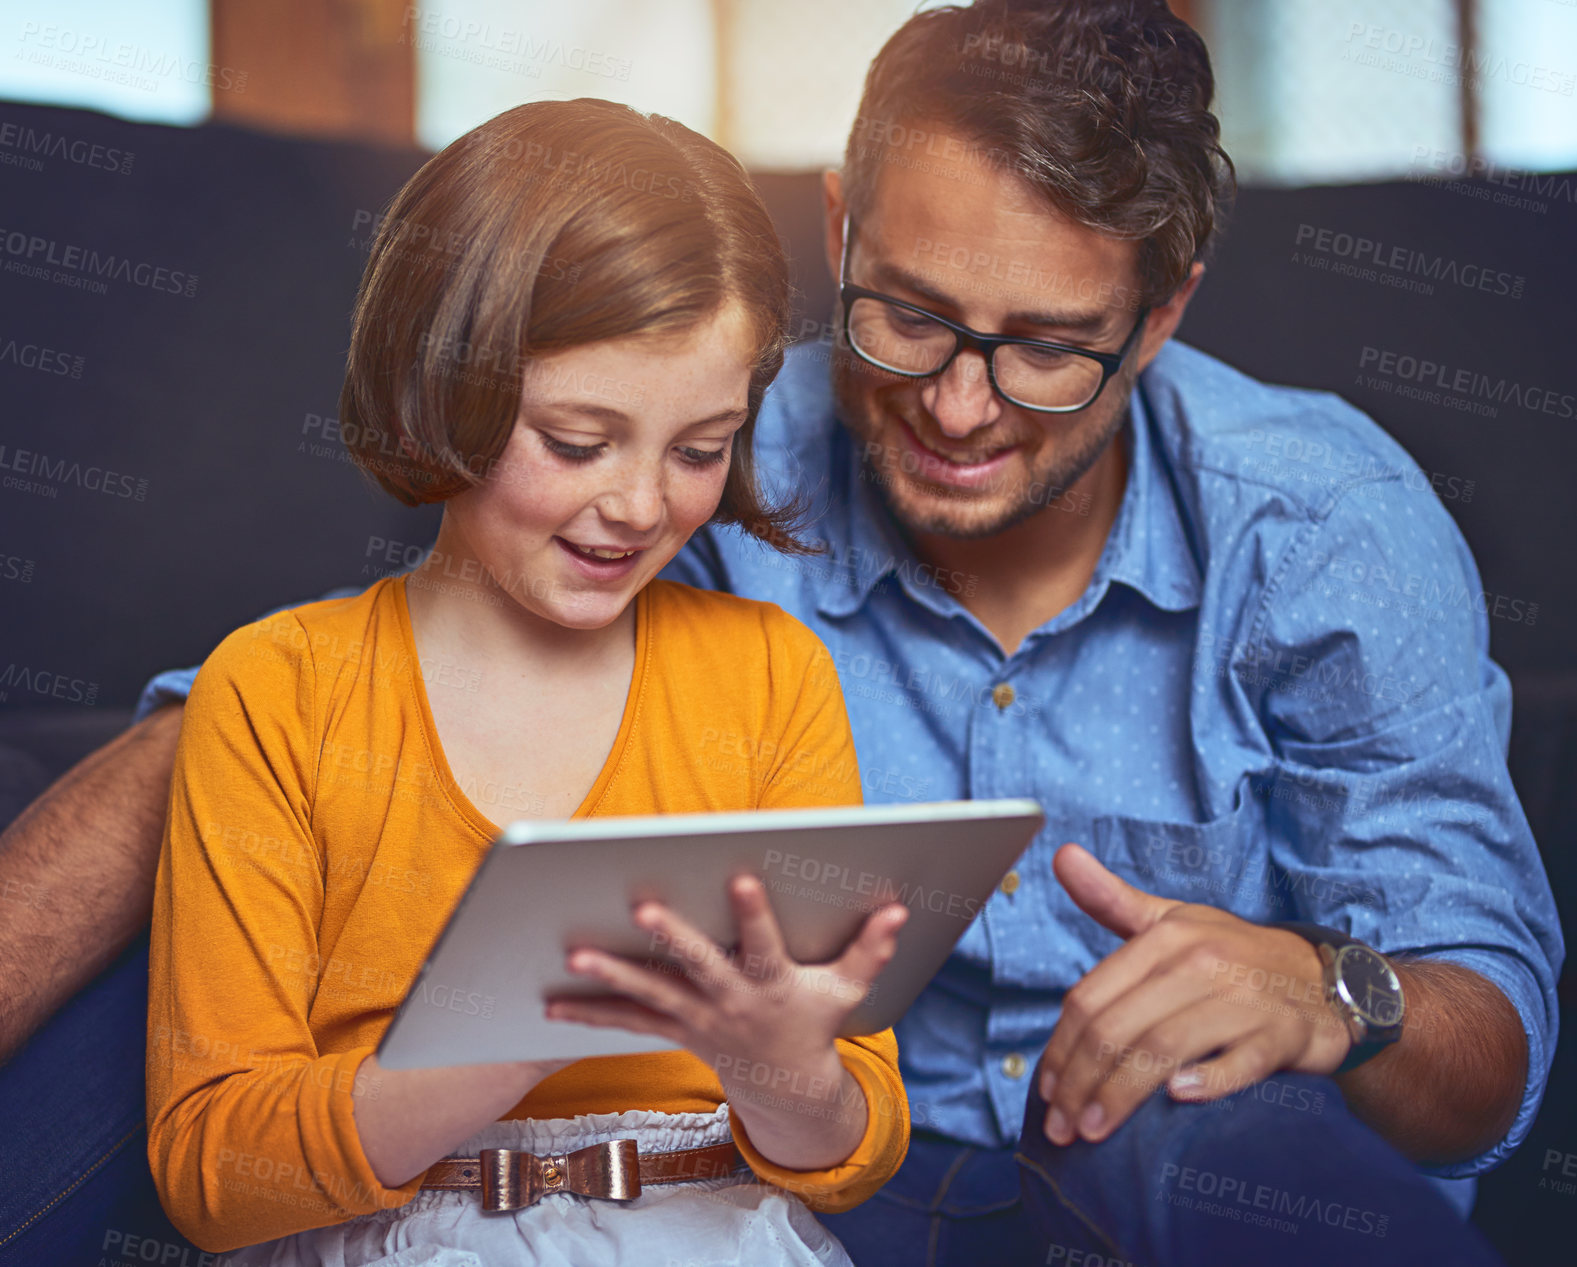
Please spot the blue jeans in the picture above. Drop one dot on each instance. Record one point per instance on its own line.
(1281, 1173)
(1177, 1184)
(75, 1188)
(949, 1203)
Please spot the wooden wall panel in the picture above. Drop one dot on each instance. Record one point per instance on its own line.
(318, 67)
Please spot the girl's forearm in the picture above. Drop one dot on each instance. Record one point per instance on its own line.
(802, 1120)
(410, 1118)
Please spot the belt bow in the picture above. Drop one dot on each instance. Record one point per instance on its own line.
(513, 1180)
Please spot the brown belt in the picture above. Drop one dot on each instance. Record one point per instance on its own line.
(614, 1171)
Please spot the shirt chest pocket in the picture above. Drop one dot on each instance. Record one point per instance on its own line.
(1217, 863)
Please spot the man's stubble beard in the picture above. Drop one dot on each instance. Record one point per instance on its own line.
(964, 518)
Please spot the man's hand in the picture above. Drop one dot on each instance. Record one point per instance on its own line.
(1197, 999)
(762, 1021)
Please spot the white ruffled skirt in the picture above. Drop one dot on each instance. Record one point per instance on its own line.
(736, 1221)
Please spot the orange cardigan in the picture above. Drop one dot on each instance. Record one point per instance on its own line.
(317, 842)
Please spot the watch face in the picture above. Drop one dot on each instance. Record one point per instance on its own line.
(1369, 985)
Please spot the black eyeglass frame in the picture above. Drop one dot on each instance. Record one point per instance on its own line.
(965, 339)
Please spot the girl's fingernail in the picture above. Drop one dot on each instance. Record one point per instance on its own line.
(1057, 1127)
(1186, 1082)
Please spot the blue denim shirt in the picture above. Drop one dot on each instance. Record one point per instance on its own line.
(1274, 696)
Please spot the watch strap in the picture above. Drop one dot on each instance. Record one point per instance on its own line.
(1318, 934)
(1357, 1054)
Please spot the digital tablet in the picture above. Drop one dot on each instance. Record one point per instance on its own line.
(545, 888)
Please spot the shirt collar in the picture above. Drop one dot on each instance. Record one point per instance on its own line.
(869, 548)
(1148, 548)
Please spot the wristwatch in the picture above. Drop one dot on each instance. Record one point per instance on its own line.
(1361, 986)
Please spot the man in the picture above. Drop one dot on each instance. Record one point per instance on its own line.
(1066, 572)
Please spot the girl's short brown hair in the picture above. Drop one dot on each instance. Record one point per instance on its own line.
(554, 225)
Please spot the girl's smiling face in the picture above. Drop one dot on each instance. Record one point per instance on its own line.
(618, 454)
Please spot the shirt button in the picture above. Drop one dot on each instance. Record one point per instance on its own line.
(1010, 883)
(1013, 1065)
(1002, 694)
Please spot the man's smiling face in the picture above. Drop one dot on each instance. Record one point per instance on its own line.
(977, 245)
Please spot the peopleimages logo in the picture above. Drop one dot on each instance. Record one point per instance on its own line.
(1402, 267)
(32, 356)
(1338, 466)
(44, 474)
(1424, 57)
(1414, 592)
(1424, 373)
(1238, 1198)
(86, 268)
(47, 684)
(833, 882)
(32, 145)
(119, 62)
(501, 48)
(13, 567)
(148, 1249)
(1473, 173)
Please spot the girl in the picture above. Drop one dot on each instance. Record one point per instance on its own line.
(564, 332)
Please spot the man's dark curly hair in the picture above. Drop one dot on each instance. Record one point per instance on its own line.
(1101, 105)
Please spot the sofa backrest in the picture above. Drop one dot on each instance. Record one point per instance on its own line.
(173, 466)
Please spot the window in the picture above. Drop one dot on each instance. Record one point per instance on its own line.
(1320, 91)
(147, 60)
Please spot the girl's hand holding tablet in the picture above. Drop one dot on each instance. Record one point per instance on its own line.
(762, 1021)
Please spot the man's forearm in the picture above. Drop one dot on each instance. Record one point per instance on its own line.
(85, 852)
(1450, 1088)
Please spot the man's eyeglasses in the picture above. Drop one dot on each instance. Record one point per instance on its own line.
(901, 338)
